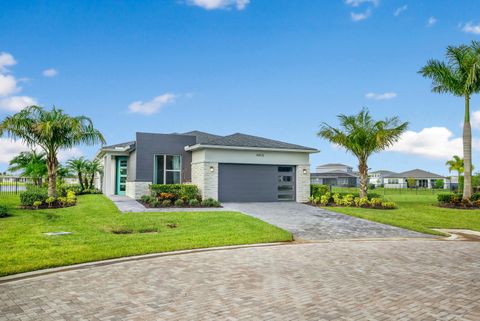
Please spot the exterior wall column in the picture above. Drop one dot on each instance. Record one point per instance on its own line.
(302, 174)
(205, 176)
(136, 190)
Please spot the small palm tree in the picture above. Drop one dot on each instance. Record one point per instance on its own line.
(455, 164)
(92, 168)
(78, 165)
(51, 131)
(362, 136)
(459, 76)
(30, 164)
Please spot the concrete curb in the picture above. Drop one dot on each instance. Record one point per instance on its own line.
(87, 265)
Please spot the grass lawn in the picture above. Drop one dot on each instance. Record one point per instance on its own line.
(418, 213)
(93, 223)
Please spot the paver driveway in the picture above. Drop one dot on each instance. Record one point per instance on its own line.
(312, 223)
(343, 280)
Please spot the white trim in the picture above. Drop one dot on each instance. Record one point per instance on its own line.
(200, 146)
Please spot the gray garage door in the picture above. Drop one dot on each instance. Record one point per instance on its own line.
(256, 183)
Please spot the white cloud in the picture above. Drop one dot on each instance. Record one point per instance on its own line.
(219, 4)
(51, 72)
(469, 27)
(384, 96)
(431, 21)
(6, 60)
(357, 3)
(360, 16)
(152, 106)
(8, 85)
(432, 142)
(475, 120)
(16, 103)
(10, 148)
(400, 10)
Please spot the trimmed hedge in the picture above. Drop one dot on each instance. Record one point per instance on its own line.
(449, 198)
(317, 190)
(183, 191)
(33, 194)
(4, 211)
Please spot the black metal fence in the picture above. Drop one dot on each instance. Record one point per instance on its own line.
(14, 185)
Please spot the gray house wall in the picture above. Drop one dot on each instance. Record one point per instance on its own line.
(148, 145)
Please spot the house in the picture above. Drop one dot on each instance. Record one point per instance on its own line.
(334, 175)
(423, 179)
(233, 168)
(376, 177)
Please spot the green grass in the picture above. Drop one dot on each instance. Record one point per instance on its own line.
(95, 218)
(417, 212)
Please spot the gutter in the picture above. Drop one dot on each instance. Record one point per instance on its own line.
(200, 146)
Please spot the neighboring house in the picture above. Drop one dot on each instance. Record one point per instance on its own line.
(377, 177)
(233, 168)
(423, 179)
(13, 178)
(334, 175)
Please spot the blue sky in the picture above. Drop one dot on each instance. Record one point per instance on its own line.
(275, 68)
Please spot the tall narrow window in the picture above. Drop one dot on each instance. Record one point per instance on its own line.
(168, 169)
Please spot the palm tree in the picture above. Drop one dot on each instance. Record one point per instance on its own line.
(92, 168)
(362, 136)
(78, 165)
(51, 131)
(459, 76)
(30, 164)
(455, 164)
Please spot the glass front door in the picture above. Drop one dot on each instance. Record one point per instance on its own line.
(121, 185)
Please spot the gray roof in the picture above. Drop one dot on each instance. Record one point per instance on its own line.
(121, 145)
(415, 173)
(243, 140)
(383, 172)
(333, 164)
(333, 174)
(202, 137)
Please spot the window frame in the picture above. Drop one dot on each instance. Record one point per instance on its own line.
(165, 170)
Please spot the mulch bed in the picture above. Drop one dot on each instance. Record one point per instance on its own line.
(148, 205)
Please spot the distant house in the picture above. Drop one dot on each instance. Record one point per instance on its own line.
(334, 175)
(376, 177)
(423, 179)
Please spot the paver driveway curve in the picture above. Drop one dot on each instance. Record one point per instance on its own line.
(313, 223)
(342, 280)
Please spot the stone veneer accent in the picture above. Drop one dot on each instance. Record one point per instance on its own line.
(303, 183)
(136, 190)
(206, 181)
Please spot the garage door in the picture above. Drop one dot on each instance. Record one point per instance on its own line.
(256, 183)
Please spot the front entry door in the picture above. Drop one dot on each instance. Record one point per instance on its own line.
(121, 184)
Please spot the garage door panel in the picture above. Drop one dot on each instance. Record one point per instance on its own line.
(250, 183)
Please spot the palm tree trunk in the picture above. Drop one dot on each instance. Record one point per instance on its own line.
(80, 179)
(52, 164)
(467, 152)
(92, 178)
(363, 171)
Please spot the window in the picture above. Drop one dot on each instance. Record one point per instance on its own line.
(167, 169)
(285, 169)
(284, 179)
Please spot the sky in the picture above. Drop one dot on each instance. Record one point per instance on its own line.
(271, 68)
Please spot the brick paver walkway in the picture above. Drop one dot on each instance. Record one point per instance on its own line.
(381, 280)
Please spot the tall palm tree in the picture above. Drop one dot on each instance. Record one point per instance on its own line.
(459, 76)
(51, 130)
(30, 164)
(362, 136)
(78, 165)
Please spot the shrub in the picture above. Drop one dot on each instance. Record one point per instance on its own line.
(348, 200)
(325, 199)
(167, 196)
(371, 186)
(146, 199)
(388, 205)
(370, 195)
(317, 190)
(364, 202)
(37, 204)
(210, 202)
(193, 202)
(376, 202)
(62, 201)
(186, 191)
(154, 202)
(475, 197)
(438, 184)
(337, 199)
(450, 198)
(179, 202)
(33, 194)
(50, 201)
(167, 203)
(4, 211)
